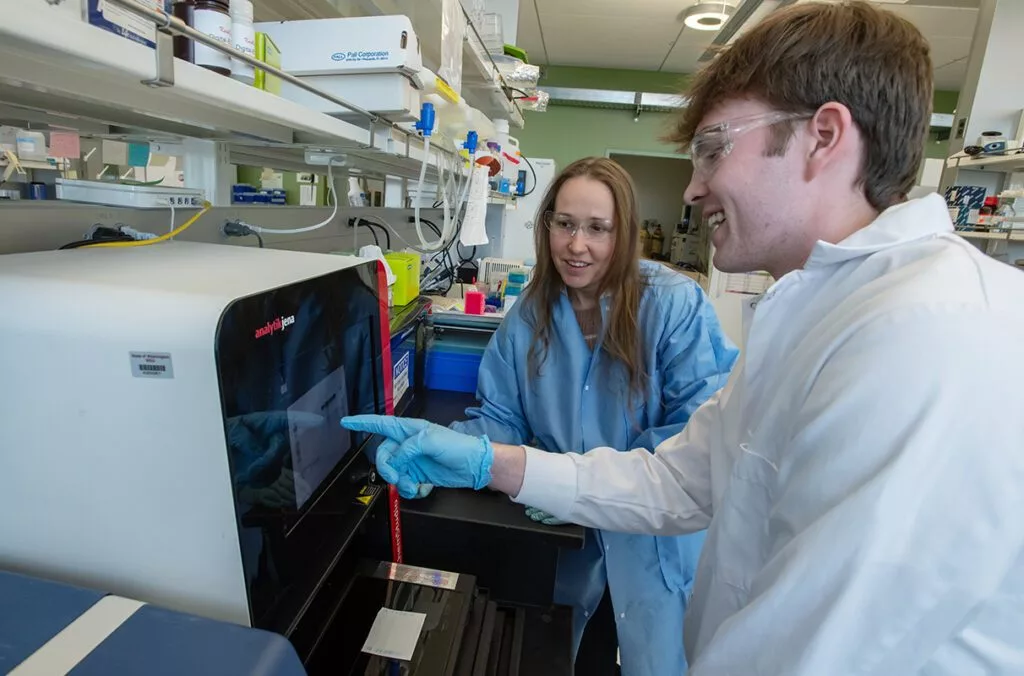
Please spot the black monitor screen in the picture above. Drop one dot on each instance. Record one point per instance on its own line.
(292, 362)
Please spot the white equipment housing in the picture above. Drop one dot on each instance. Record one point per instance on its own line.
(127, 369)
(493, 270)
(520, 223)
(373, 62)
(130, 196)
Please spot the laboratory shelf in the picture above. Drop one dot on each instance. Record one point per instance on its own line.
(290, 10)
(1003, 163)
(60, 71)
(482, 85)
(1004, 236)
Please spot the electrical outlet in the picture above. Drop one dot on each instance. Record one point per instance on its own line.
(184, 201)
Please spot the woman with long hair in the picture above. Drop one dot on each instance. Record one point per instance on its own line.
(604, 349)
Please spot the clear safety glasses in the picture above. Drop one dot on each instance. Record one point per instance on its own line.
(712, 144)
(593, 230)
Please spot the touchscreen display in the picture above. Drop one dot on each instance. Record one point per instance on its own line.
(293, 362)
(317, 442)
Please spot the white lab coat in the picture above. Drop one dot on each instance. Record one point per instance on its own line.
(861, 474)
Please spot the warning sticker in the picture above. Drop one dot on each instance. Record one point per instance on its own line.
(151, 364)
(366, 494)
(423, 576)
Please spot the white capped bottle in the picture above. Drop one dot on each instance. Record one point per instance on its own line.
(243, 38)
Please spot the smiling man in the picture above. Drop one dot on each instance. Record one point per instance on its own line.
(861, 473)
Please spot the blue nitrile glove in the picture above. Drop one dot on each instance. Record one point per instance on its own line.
(543, 517)
(422, 491)
(417, 452)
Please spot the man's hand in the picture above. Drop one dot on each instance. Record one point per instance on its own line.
(416, 452)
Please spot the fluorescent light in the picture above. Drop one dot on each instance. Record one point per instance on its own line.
(707, 16)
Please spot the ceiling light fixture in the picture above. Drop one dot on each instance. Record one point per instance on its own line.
(708, 16)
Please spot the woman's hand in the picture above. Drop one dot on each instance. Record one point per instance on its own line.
(540, 516)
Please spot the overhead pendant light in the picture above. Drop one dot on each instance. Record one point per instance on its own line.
(708, 15)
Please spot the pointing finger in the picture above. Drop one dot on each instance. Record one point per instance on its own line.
(398, 429)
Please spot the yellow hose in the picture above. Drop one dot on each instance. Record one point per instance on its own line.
(156, 240)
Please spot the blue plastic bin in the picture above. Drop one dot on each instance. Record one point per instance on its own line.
(452, 371)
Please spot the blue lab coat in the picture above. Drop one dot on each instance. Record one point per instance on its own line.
(580, 401)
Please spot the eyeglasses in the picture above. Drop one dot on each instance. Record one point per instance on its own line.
(593, 230)
(712, 144)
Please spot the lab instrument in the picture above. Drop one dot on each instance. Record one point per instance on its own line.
(372, 62)
(396, 614)
(176, 422)
(519, 223)
(128, 195)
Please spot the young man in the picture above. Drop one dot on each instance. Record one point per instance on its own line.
(861, 474)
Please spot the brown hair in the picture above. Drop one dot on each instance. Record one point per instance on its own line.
(872, 61)
(621, 337)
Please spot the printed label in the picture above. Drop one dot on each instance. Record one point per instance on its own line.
(438, 579)
(124, 22)
(362, 57)
(218, 27)
(400, 376)
(244, 38)
(275, 325)
(151, 364)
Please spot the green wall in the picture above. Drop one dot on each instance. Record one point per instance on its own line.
(612, 78)
(942, 102)
(567, 133)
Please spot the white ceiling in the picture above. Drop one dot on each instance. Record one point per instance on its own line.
(648, 35)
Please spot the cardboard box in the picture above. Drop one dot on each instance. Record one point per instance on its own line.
(268, 53)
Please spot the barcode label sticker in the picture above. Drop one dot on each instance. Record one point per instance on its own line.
(151, 364)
